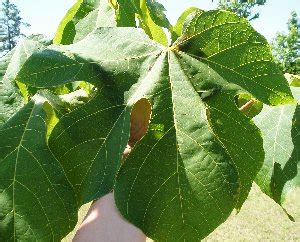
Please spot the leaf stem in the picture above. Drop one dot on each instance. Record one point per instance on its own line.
(247, 106)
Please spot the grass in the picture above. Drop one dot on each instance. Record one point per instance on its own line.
(260, 219)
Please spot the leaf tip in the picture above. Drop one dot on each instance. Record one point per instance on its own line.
(291, 218)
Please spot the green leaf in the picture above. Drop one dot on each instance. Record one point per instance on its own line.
(179, 26)
(103, 16)
(234, 59)
(230, 46)
(12, 93)
(102, 57)
(66, 31)
(37, 201)
(9, 99)
(101, 147)
(240, 137)
(125, 14)
(156, 11)
(191, 169)
(92, 156)
(154, 31)
(142, 9)
(280, 127)
(4, 64)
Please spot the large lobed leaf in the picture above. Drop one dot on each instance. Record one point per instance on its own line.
(200, 155)
(178, 182)
(85, 153)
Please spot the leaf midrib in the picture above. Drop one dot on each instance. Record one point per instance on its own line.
(178, 150)
(15, 170)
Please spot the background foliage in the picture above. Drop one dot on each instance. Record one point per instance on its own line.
(286, 46)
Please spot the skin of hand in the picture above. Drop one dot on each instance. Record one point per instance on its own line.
(104, 223)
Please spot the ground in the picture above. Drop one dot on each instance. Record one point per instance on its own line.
(260, 219)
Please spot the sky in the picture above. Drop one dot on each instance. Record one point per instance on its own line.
(44, 16)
